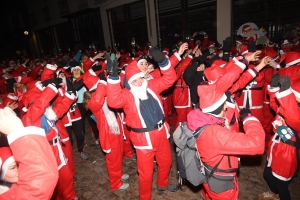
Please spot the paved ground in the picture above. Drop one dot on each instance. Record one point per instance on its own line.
(92, 179)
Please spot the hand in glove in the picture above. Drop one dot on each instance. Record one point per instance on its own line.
(285, 83)
(245, 113)
(156, 54)
(96, 68)
(54, 81)
(275, 80)
(70, 88)
(102, 77)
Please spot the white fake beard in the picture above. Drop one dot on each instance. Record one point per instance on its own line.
(140, 92)
(50, 114)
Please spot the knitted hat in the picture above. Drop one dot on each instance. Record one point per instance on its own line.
(132, 72)
(6, 158)
(74, 65)
(142, 57)
(211, 99)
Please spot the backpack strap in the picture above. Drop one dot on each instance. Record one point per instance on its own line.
(215, 168)
(199, 131)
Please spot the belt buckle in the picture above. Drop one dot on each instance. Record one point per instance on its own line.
(160, 125)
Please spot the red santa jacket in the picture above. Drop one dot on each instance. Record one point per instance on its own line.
(122, 98)
(37, 171)
(281, 156)
(293, 72)
(253, 92)
(181, 93)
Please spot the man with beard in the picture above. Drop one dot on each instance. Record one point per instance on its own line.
(142, 106)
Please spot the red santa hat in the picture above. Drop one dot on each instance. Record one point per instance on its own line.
(6, 158)
(272, 54)
(296, 89)
(246, 28)
(215, 71)
(31, 95)
(244, 49)
(211, 44)
(166, 51)
(132, 72)
(291, 58)
(211, 99)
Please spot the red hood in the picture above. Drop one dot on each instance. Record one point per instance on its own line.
(196, 118)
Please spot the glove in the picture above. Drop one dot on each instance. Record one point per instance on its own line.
(96, 68)
(77, 85)
(102, 77)
(70, 88)
(275, 80)
(228, 95)
(10, 81)
(285, 83)
(245, 113)
(157, 55)
(227, 44)
(112, 69)
(226, 56)
(55, 81)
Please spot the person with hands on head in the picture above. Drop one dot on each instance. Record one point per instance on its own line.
(219, 147)
(30, 174)
(283, 149)
(141, 102)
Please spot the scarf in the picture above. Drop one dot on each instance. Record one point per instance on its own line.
(111, 119)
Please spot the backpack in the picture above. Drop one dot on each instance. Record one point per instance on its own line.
(190, 166)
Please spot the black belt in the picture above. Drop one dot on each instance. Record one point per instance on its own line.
(254, 88)
(55, 141)
(148, 129)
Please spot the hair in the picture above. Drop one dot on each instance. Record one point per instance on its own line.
(86, 98)
(23, 88)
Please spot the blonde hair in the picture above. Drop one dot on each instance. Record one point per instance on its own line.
(23, 88)
(86, 98)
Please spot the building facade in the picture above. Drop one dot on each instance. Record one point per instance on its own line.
(69, 25)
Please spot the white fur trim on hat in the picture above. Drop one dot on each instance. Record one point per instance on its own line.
(135, 76)
(76, 67)
(292, 63)
(12, 97)
(296, 93)
(215, 105)
(140, 60)
(5, 166)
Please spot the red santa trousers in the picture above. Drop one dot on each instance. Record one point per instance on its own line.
(145, 161)
(114, 161)
(128, 152)
(182, 115)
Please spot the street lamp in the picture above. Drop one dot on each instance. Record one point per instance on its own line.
(25, 32)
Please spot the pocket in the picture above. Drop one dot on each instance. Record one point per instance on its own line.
(138, 139)
(219, 184)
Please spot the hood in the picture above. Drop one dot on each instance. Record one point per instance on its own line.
(196, 118)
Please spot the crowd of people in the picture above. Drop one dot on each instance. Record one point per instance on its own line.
(246, 96)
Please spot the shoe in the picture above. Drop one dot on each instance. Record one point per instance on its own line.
(125, 177)
(268, 196)
(83, 156)
(125, 186)
(170, 187)
(97, 142)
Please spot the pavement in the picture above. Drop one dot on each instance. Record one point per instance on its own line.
(92, 179)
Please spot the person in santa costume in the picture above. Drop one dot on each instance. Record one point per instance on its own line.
(283, 149)
(110, 126)
(142, 106)
(72, 118)
(30, 174)
(40, 113)
(218, 146)
(181, 94)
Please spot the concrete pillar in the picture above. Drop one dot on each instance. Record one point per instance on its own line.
(223, 19)
(151, 22)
